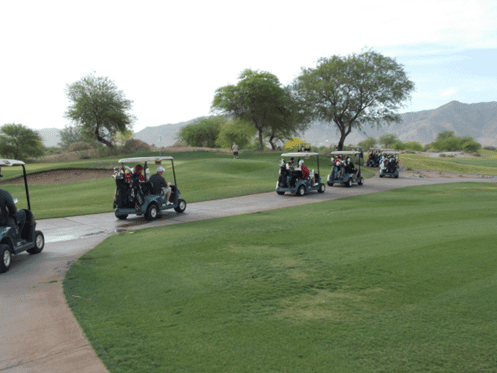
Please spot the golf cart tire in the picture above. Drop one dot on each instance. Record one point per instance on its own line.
(301, 191)
(397, 176)
(5, 258)
(181, 206)
(349, 183)
(280, 193)
(361, 181)
(381, 175)
(152, 212)
(322, 188)
(121, 216)
(39, 243)
(330, 184)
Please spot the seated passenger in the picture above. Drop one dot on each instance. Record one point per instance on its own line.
(9, 214)
(304, 169)
(282, 181)
(350, 169)
(159, 184)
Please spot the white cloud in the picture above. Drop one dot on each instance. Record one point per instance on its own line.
(448, 92)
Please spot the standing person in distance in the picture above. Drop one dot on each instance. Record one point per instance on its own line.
(234, 148)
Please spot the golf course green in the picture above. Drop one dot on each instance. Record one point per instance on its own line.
(397, 281)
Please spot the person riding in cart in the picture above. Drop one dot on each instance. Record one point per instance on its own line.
(147, 197)
(299, 180)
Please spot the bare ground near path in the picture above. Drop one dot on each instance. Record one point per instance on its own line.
(62, 177)
(38, 332)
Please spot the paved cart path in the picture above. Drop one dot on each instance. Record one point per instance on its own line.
(38, 332)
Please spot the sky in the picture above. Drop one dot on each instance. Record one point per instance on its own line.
(170, 57)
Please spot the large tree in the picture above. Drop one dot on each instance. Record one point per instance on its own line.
(203, 132)
(354, 91)
(99, 108)
(260, 99)
(20, 142)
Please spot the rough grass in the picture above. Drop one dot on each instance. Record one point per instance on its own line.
(399, 281)
(471, 165)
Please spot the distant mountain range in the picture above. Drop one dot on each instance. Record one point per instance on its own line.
(476, 120)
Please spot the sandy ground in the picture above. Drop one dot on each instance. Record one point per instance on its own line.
(62, 177)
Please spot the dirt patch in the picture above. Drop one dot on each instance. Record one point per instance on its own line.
(62, 177)
(442, 174)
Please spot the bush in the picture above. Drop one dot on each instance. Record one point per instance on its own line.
(79, 146)
(53, 150)
(442, 155)
(493, 148)
(369, 143)
(413, 145)
(398, 145)
(134, 146)
(471, 146)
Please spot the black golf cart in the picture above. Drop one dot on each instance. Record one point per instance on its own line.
(291, 180)
(339, 171)
(12, 240)
(390, 164)
(125, 198)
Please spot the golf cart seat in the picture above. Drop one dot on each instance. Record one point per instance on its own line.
(147, 187)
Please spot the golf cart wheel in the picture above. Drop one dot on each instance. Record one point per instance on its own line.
(330, 184)
(280, 193)
(361, 181)
(349, 183)
(322, 188)
(5, 258)
(301, 191)
(121, 216)
(397, 176)
(39, 243)
(381, 175)
(152, 212)
(181, 206)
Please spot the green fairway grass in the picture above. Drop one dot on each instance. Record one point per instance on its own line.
(467, 165)
(398, 281)
(200, 176)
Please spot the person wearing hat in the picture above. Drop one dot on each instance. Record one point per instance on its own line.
(159, 184)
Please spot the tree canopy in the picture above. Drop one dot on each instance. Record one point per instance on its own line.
(99, 108)
(20, 142)
(354, 91)
(203, 132)
(388, 139)
(259, 98)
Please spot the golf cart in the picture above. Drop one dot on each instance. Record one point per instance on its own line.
(291, 180)
(14, 241)
(390, 164)
(151, 202)
(376, 157)
(339, 172)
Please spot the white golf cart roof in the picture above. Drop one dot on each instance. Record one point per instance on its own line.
(391, 152)
(298, 154)
(11, 162)
(345, 152)
(145, 159)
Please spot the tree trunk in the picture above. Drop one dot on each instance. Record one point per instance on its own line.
(273, 146)
(261, 147)
(102, 140)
